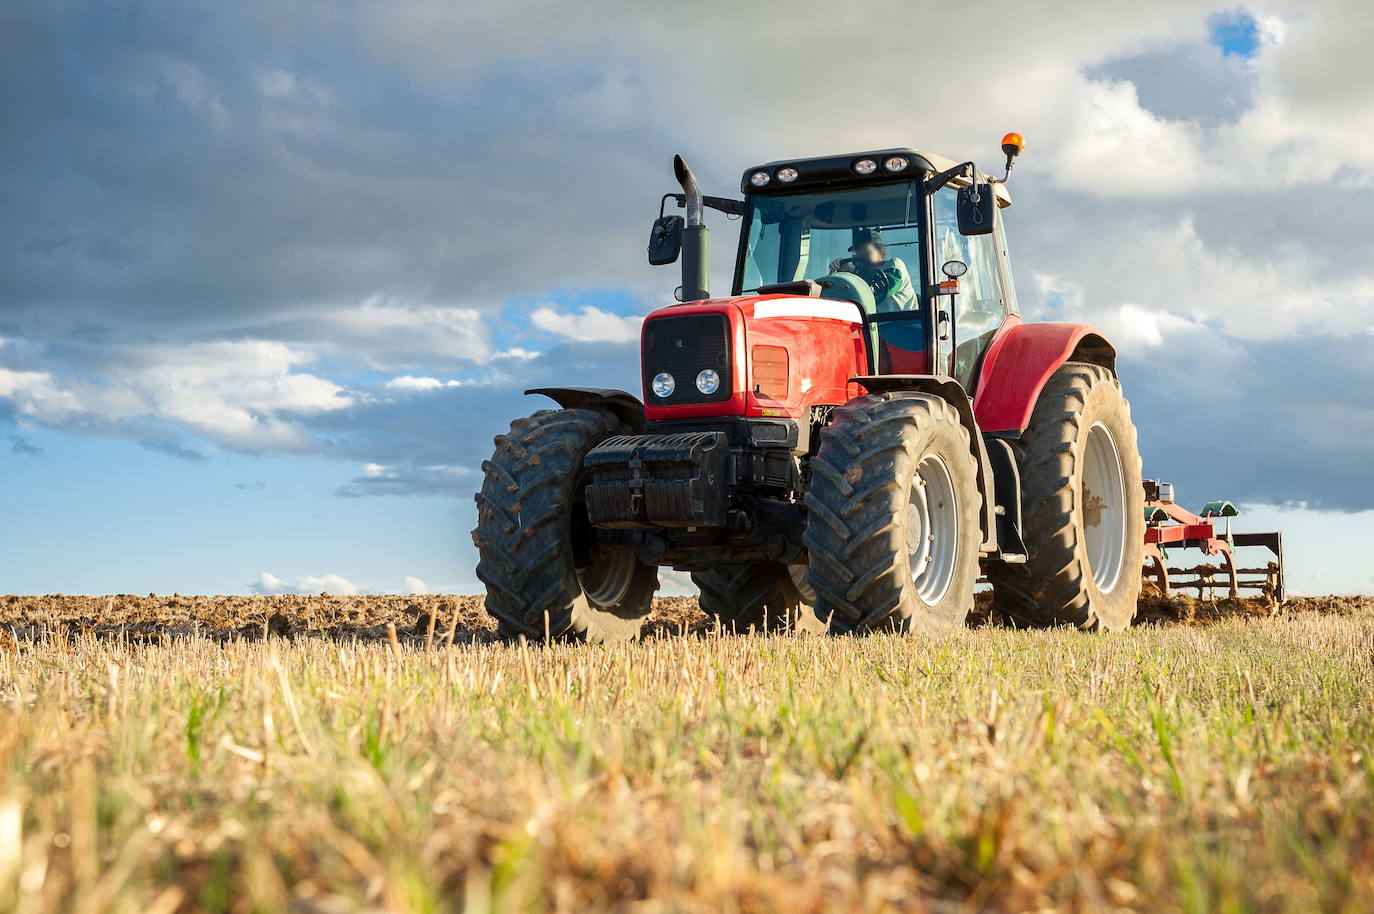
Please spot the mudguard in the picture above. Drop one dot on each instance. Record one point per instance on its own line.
(1020, 361)
(625, 406)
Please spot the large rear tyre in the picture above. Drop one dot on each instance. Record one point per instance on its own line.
(893, 516)
(763, 597)
(547, 572)
(1083, 517)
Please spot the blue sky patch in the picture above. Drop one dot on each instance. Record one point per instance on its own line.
(1236, 33)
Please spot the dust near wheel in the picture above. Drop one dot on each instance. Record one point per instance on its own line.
(893, 528)
(548, 572)
(1083, 508)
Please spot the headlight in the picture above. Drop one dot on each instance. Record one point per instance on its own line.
(663, 385)
(787, 175)
(865, 166)
(896, 163)
(708, 382)
(759, 178)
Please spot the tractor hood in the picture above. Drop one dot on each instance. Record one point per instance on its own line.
(750, 355)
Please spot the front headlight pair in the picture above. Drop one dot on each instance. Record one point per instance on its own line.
(708, 382)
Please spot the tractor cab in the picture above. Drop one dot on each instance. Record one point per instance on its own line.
(882, 230)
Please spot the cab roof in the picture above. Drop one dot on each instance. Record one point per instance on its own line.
(825, 171)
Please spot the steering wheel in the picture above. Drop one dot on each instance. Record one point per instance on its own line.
(849, 287)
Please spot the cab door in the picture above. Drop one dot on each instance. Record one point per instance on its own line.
(983, 300)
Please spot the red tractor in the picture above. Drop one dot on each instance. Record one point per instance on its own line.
(863, 429)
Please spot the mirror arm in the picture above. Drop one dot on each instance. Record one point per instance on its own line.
(966, 170)
(719, 204)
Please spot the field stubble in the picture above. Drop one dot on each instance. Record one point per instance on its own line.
(161, 754)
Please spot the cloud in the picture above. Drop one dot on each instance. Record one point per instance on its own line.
(591, 325)
(409, 480)
(246, 395)
(173, 448)
(388, 334)
(310, 238)
(411, 384)
(23, 446)
(329, 583)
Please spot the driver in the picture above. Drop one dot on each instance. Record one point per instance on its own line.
(889, 279)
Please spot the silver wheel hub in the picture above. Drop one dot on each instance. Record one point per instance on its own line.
(1103, 507)
(932, 530)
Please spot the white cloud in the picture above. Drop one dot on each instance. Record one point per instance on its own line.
(411, 384)
(1156, 268)
(241, 394)
(268, 583)
(329, 583)
(386, 331)
(591, 325)
(1113, 147)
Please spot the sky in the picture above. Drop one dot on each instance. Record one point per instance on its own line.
(273, 275)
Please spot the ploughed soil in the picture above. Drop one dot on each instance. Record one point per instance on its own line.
(440, 619)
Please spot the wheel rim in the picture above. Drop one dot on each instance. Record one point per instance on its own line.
(608, 577)
(932, 530)
(1103, 507)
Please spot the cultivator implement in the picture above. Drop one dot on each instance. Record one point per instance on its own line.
(1169, 526)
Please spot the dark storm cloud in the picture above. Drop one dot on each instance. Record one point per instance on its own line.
(1280, 422)
(186, 168)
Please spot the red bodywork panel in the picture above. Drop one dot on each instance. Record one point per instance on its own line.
(825, 348)
(1017, 364)
(824, 344)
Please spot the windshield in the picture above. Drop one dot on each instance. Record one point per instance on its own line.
(808, 235)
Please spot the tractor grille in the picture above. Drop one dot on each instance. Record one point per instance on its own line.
(683, 346)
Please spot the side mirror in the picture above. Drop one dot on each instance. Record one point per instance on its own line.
(976, 209)
(665, 240)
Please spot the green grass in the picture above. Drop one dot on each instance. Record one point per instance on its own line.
(1227, 768)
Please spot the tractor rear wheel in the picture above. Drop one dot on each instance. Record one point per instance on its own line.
(893, 516)
(1083, 518)
(763, 597)
(548, 573)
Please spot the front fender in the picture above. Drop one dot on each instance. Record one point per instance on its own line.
(624, 406)
(1020, 361)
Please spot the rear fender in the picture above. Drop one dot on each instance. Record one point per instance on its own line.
(624, 406)
(952, 392)
(1020, 361)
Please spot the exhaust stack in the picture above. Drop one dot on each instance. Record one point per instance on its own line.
(696, 238)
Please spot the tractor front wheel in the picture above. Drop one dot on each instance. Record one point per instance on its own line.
(1083, 517)
(548, 572)
(893, 516)
(763, 597)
